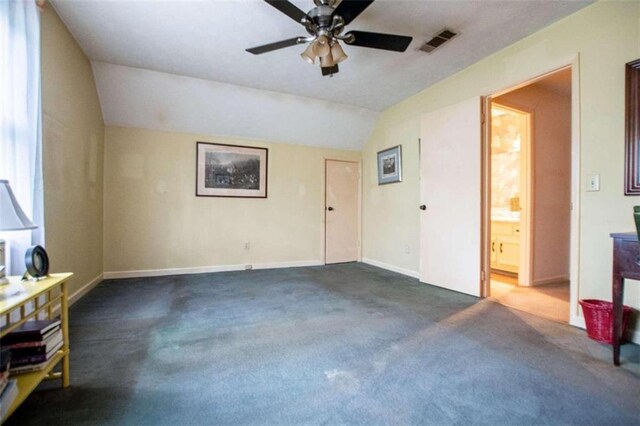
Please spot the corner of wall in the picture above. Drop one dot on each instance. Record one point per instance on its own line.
(73, 147)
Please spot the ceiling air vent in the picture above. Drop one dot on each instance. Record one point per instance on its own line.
(438, 41)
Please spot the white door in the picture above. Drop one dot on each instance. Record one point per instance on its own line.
(450, 186)
(341, 211)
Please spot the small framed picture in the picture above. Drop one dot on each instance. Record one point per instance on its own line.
(231, 171)
(390, 165)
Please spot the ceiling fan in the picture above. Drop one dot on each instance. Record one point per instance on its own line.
(325, 24)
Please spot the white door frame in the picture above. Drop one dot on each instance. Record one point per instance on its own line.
(574, 257)
(323, 206)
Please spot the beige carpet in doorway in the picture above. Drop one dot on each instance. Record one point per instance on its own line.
(548, 301)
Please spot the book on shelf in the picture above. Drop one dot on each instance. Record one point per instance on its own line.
(7, 397)
(19, 350)
(31, 331)
(5, 364)
(35, 362)
(5, 358)
(4, 380)
(29, 368)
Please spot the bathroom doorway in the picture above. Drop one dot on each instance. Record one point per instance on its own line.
(511, 135)
(530, 163)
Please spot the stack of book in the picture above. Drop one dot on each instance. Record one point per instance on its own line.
(32, 345)
(5, 362)
(8, 388)
(9, 394)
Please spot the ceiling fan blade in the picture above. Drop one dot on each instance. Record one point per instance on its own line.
(397, 43)
(288, 9)
(273, 46)
(329, 70)
(350, 9)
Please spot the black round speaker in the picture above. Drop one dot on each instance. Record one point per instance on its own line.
(37, 261)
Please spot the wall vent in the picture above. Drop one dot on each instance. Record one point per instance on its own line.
(437, 41)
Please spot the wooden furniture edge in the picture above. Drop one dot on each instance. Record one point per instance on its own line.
(27, 382)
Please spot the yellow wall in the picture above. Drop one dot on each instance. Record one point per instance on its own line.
(154, 221)
(73, 134)
(606, 35)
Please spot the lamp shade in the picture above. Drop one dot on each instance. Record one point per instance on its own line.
(327, 61)
(309, 54)
(337, 53)
(12, 218)
(321, 46)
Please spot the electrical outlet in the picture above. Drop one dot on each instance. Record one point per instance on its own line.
(247, 246)
(248, 267)
(407, 249)
(593, 182)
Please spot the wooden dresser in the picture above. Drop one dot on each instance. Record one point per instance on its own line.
(626, 265)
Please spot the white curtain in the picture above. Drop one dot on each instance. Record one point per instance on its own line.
(21, 121)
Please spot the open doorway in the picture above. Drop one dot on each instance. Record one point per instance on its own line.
(530, 194)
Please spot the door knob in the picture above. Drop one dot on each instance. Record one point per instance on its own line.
(330, 209)
(423, 207)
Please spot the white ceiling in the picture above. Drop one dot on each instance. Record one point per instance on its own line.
(206, 40)
(133, 97)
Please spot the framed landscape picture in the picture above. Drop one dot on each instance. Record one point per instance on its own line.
(231, 171)
(390, 165)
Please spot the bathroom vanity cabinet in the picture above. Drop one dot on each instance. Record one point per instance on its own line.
(505, 245)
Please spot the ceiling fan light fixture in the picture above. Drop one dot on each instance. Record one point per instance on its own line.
(327, 61)
(325, 24)
(321, 46)
(337, 53)
(309, 54)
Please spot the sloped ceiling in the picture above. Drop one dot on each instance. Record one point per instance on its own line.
(133, 97)
(206, 40)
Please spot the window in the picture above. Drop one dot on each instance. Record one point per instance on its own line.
(20, 121)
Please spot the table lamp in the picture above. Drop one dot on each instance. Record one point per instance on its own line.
(12, 218)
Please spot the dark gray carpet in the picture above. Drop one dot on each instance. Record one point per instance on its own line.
(343, 344)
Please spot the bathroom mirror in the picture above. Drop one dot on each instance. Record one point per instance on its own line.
(632, 126)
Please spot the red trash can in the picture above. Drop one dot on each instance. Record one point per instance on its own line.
(598, 315)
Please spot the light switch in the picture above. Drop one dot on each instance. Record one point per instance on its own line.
(593, 183)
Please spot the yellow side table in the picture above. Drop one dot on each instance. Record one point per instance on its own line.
(23, 299)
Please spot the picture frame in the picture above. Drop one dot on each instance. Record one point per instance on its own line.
(632, 129)
(390, 165)
(231, 170)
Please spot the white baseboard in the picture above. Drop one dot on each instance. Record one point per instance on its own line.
(294, 264)
(577, 321)
(207, 269)
(403, 271)
(79, 293)
(551, 280)
(632, 335)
